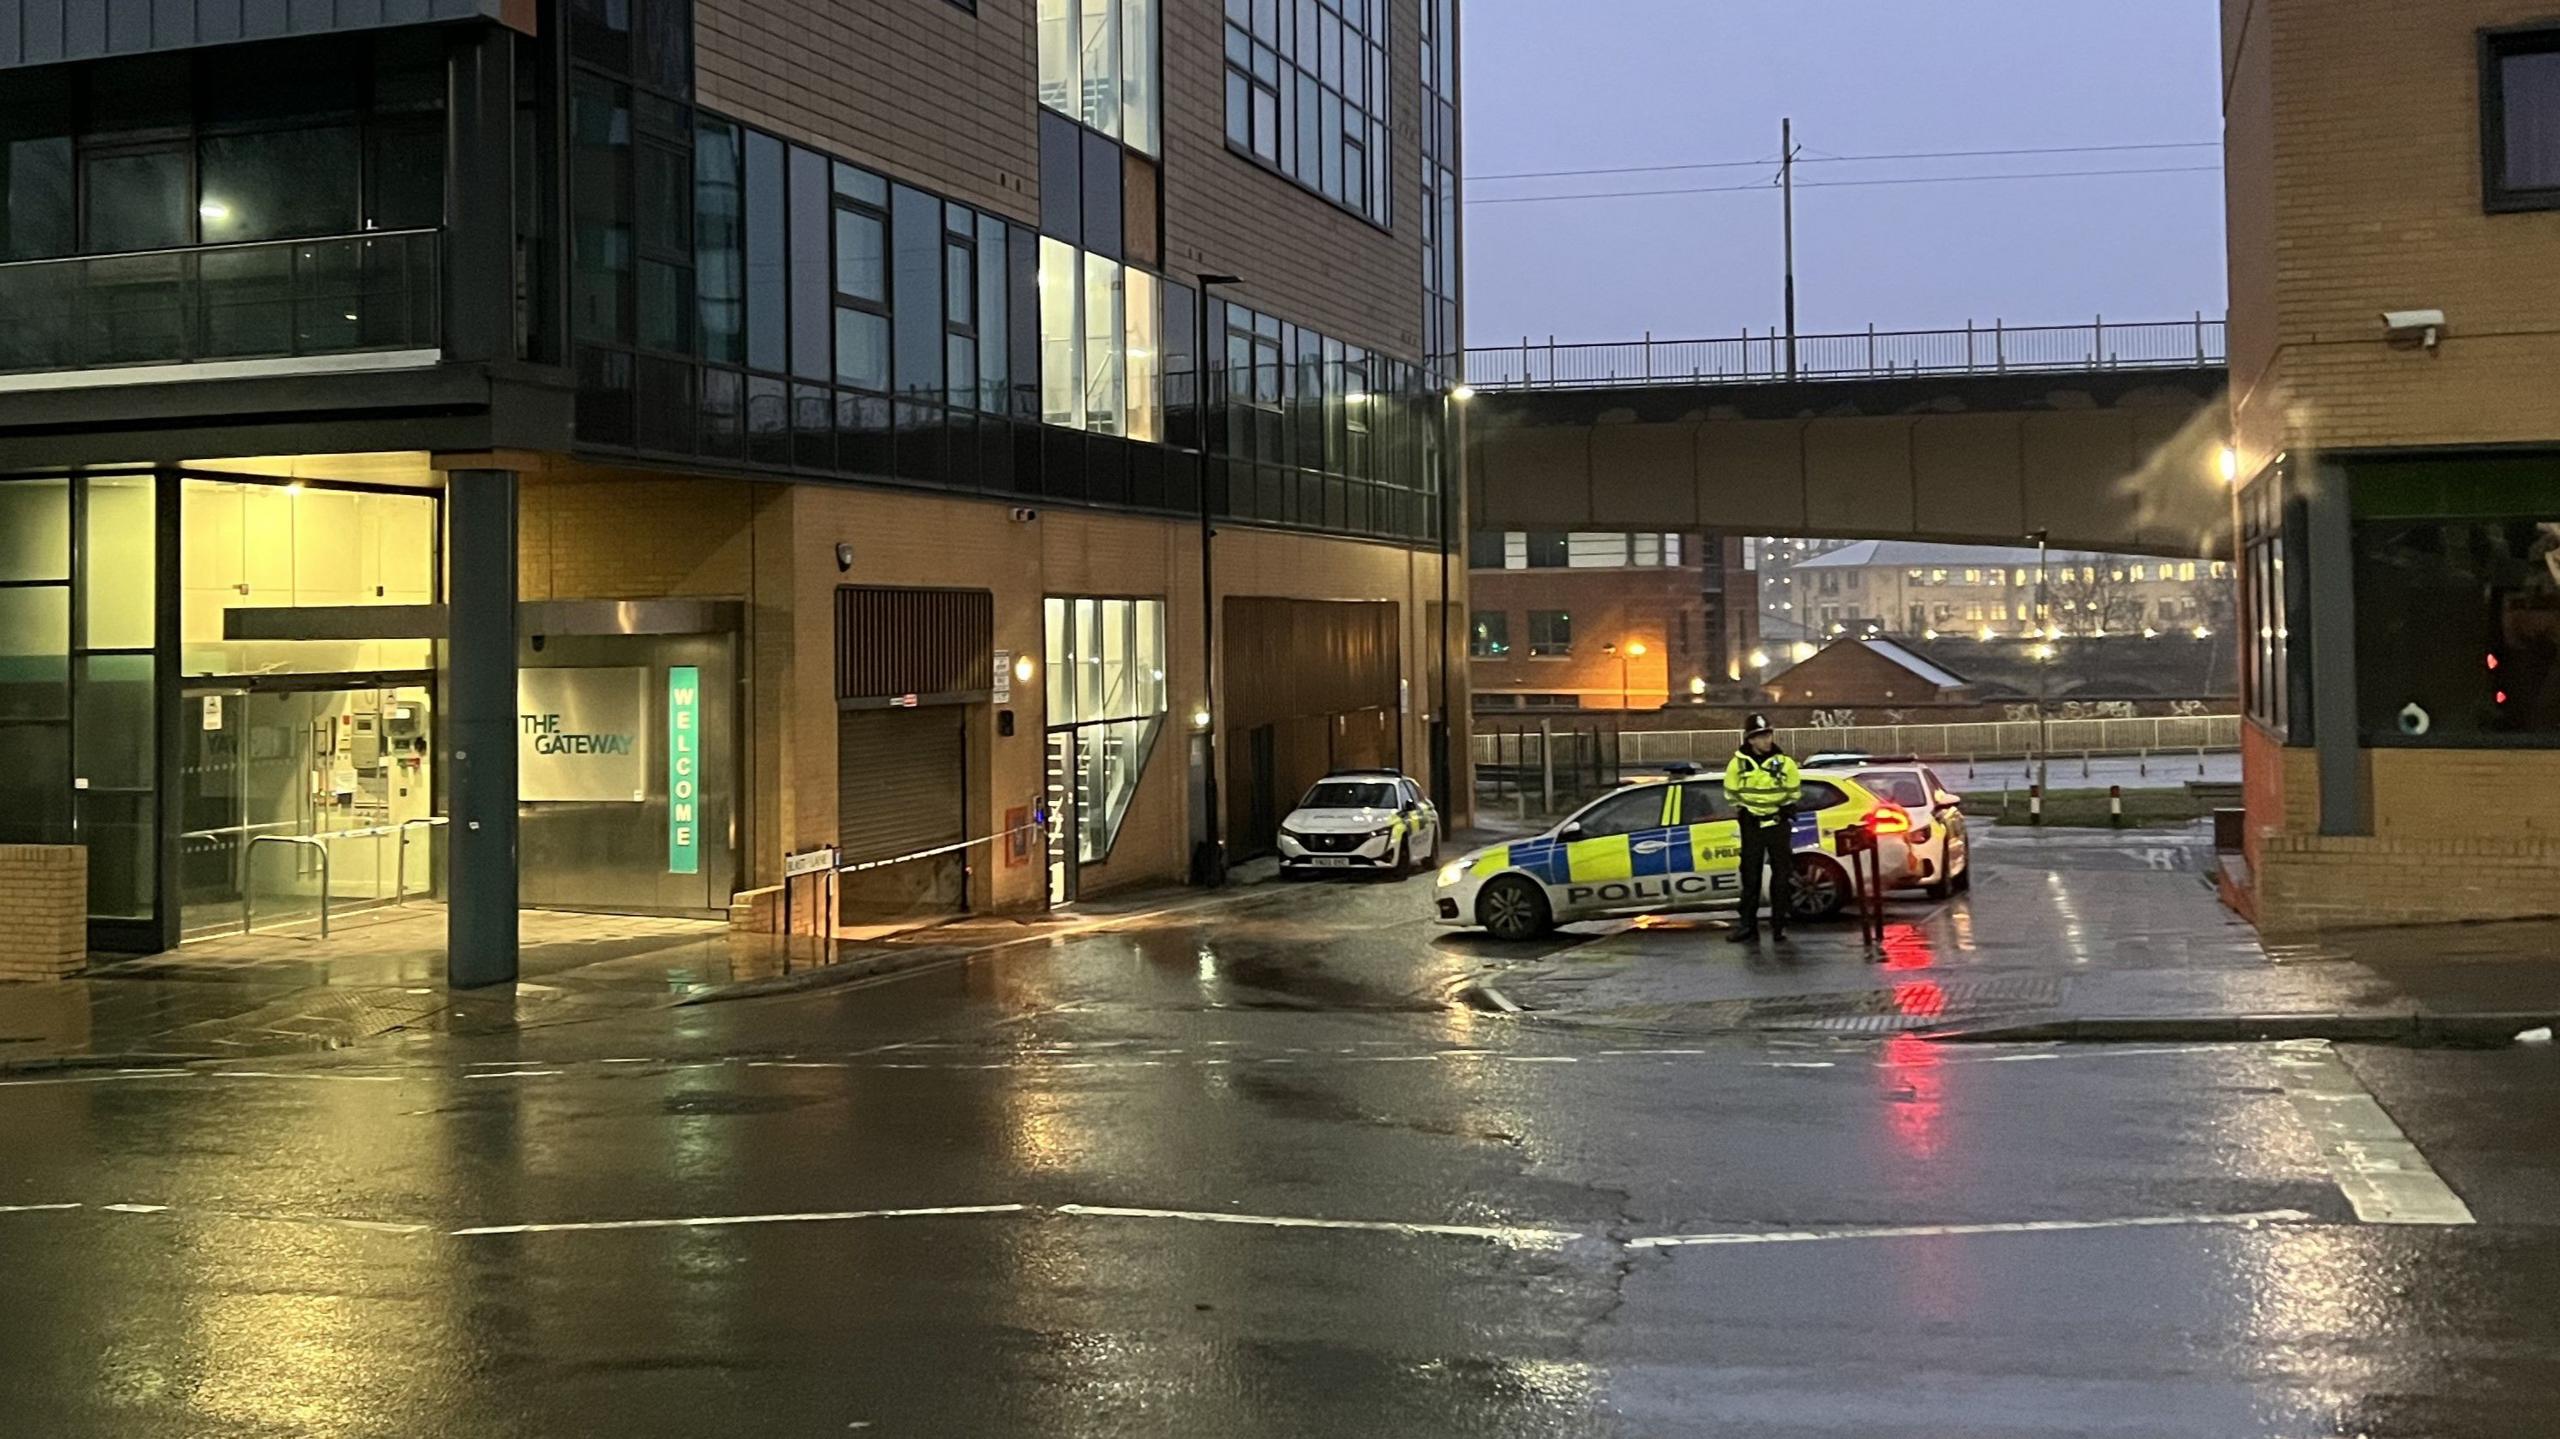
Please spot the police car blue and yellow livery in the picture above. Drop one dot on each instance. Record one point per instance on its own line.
(1654, 846)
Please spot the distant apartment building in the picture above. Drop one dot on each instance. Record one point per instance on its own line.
(1608, 620)
(1923, 591)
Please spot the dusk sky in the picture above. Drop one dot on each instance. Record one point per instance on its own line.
(1575, 84)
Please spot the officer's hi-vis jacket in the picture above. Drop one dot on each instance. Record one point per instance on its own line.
(1762, 785)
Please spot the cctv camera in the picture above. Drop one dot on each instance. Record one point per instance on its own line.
(2426, 326)
(1024, 514)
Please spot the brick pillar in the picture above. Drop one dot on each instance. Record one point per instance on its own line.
(44, 890)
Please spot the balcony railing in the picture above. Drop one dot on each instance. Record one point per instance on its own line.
(272, 299)
(1865, 355)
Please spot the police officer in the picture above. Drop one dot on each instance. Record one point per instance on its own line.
(1762, 784)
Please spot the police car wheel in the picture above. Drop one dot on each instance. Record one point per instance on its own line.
(1513, 908)
(1404, 860)
(1964, 877)
(1821, 887)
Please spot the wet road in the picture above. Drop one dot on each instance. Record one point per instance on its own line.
(1253, 1172)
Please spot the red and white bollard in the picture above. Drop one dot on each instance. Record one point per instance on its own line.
(2115, 806)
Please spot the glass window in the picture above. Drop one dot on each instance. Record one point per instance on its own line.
(121, 521)
(1061, 334)
(1550, 633)
(1141, 109)
(862, 348)
(2458, 630)
(994, 316)
(1586, 551)
(1623, 813)
(35, 185)
(1102, 215)
(2521, 97)
(1061, 178)
(1105, 339)
(811, 282)
(278, 184)
(1702, 802)
(862, 256)
(1106, 689)
(1545, 550)
(35, 530)
(768, 220)
(600, 209)
(1489, 638)
(1098, 99)
(916, 237)
(136, 200)
(1145, 349)
(719, 261)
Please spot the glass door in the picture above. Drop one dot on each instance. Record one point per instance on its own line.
(1060, 835)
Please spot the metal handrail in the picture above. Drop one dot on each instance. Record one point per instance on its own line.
(1865, 354)
(249, 892)
(400, 861)
(216, 247)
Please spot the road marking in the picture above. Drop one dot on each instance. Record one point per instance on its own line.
(724, 1221)
(317, 1078)
(512, 1074)
(2375, 1165)
(1936, 1231)
(115, 1077)
(1516, 1235)
(34, 1208)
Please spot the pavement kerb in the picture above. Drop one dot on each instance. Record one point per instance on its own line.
(127, 1059)
(886, 962)
(2411, 1029)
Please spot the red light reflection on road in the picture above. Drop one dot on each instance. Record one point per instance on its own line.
(1914, 1088)
(1908, 948)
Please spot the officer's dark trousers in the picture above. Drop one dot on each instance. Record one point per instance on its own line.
(1765, 841)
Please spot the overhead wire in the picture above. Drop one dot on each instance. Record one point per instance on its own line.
(1765, 187)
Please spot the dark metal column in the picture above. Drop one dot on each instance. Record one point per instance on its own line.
(2335, 730)
(480, 728)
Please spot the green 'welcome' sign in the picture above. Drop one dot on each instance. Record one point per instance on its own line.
(684, 769)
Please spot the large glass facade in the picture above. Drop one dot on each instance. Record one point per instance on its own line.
(1308, 95)
(261, 544)
(1099, 65)
(2457, 595)
(79, 694)
(1106, 692)
(1443, 213)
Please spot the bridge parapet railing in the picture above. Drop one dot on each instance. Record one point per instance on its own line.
(1870, 354)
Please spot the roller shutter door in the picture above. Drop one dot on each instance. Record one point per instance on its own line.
(901, 788)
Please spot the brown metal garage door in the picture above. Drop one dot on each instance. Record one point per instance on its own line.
(901, 788)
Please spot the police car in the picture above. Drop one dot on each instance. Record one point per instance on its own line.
(1361, 819)
(1659, 846)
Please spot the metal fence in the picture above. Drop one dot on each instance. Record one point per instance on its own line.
(1534, 767)
(1871, 354)
(1987, 740)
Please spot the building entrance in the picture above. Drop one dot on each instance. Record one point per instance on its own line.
(287, 795)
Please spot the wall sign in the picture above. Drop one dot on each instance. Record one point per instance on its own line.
(684, 769)
(1002, 690)
(581, 735)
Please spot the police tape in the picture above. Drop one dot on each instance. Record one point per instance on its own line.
(1038, 822)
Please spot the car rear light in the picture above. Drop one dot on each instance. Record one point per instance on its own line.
(1890, 819)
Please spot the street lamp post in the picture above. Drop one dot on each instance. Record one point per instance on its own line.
(1443, 755)
(1209, 859)
(2044, 660)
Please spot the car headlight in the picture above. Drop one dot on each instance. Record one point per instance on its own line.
(1452, 872)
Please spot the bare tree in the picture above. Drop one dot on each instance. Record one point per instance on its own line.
(2092, 597)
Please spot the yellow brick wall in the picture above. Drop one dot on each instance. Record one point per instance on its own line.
(590, 534)
(44, 892)
(2366, 197)
(2312, 882)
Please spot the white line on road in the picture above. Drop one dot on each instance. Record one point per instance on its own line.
(2382, 1174)
(1935, 1231)
(319, 1078)
(512, 1074)
(1499, 1234)
(34, 1208)
(723, 1221)
(115, 1077)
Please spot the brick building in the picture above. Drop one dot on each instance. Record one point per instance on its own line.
(583, 454)
(1923, 590)
(1608, 620)
(2393, 169)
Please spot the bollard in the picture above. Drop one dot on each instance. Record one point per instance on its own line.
(2084, 764)
(2199, 761)
(2035, 804)
(2115, 806)
(2145, 769)
(1971, 763)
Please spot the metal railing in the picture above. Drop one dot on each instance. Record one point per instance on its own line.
(1869, 354)
(319, 843)
(271, 299)
(1988, 739)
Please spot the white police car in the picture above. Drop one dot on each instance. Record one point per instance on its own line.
(1659, 846)
(1361, 820)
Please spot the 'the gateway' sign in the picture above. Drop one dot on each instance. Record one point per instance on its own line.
(582, 735)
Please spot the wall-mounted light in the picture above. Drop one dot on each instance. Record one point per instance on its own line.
(1024, 669)
(844, 557)
(1463, 393)
(1697, 684)
(2230, 462)
(1200, 719)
